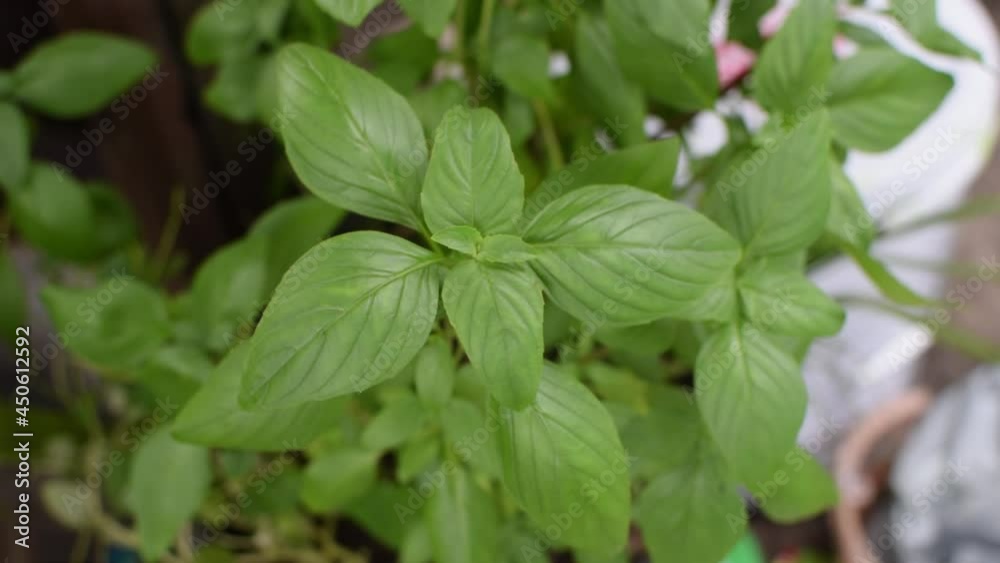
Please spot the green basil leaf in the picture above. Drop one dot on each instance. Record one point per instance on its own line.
(417, 455)
(416, 546)
(432, 15)
(776, 199)
(167, 483)
(462, 519)
(351, 140)
(564, 464)
(394, 424)
(617, 385)
(53, 213)
(786, 302)
(174, 372)
(752, 397)
(291, 228)
(800, 488)
(468, 436)
(921, 20)
(796, 62)
(744, 21)
(334, 480)
(621, 255)
(219, 31)
(649, 166)
(378, 512)
(462, 238)
(505, 249)
(472, 178)
(228, 290)
(117, 325)
(232, 92)
(879, 96)
(213, 417)
(352, 312)
(848, 219)
(435, 373)
(682, 74)
(79, 73)
(652, 338)
(15, 146)
(690, 511)
(521, 62)
(497, 312)
(613, 96)
(351, 12)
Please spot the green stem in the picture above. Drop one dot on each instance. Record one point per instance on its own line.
(168, 237)
(485, 25)
(549, 136)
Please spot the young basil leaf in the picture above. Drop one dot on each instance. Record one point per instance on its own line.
(682, 74)
(116, 326)
(626, 256)
(564, 464)
(232, 92)
(167, 483)
(744, 21)
(375, 292)
(394, 424)
(417, 455)
(213, 417)
(521, 62)
(795, 63)
(921, 20)
(879, 96)
(505, 249)
(53, 213)
(776, 199)
(786, 302)
(690, 511)
(472, 178)
(462, 238)
(432, 15)
(497, 312)
(649, 166)
(462, 519)
(435, 373)
(800, 488)
(15, 146)
(220, 31)
(518, 119)
(351, 140)
(228, 290)
(752, 398)
(612, 94)
(351, 12)
(334, 480)
(77, 74)
(620, 386)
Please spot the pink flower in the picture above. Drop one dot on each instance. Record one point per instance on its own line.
(734, 61)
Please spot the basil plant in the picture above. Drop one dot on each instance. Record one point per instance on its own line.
(513, 314)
